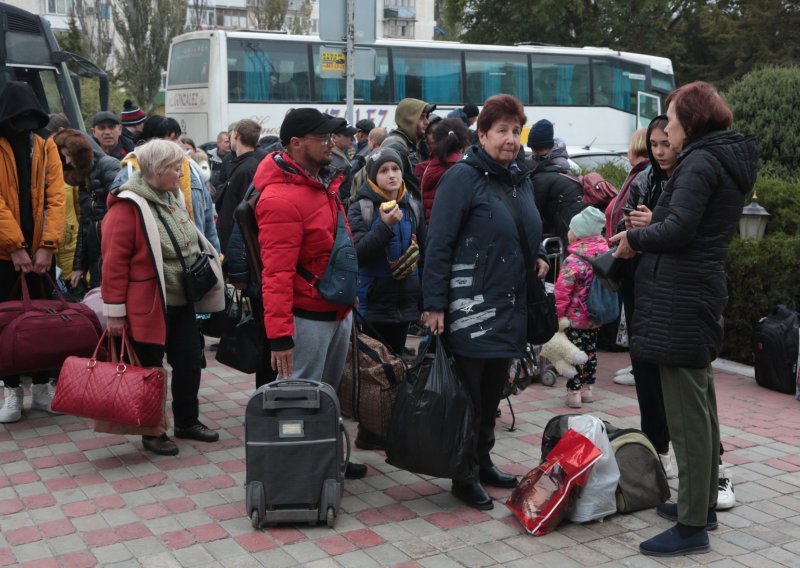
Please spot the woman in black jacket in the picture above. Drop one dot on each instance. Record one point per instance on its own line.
(681, 294)
(474, 277)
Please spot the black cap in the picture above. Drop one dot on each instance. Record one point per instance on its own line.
(429, 108)
(105, 116)
(365, 125)
(346, 130)
(301, 121)
(470, 110)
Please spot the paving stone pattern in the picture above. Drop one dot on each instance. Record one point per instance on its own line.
(73, 498)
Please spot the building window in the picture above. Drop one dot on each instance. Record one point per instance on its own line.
(59, 7)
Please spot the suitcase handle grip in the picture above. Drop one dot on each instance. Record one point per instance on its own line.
(290, 398)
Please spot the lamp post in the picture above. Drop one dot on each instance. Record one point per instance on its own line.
(753, 222)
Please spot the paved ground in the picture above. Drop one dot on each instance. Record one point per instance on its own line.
(70, 497)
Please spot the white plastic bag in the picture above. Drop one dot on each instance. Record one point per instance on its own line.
(622, 330)
(598, 498)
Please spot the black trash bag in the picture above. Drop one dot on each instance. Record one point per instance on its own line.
(431, 428)
(242, 337)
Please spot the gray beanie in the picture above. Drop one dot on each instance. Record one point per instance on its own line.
(588, 223)
(380, 157)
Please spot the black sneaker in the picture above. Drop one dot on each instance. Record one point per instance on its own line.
(355, 470)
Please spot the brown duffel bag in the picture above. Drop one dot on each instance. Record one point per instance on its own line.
(370, 383)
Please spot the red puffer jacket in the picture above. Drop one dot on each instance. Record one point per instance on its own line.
(429, 181)
(296, 225)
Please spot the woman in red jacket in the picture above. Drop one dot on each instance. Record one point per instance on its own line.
(450, 139)
(143, 281)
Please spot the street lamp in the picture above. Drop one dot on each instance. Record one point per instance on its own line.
(753, 222)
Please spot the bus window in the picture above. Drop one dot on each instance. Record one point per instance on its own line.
(262, 71)
(560, 80)
(189, 63)
(44, 83)
(492, 73)
(432, 76)
(615, 84)
(662, 81)
(334, 90)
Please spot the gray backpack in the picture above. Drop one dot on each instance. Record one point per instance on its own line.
(642, 481)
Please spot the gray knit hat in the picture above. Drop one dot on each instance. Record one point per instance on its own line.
(380, 157)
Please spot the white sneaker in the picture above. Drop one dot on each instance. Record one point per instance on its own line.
(12, 405)
(666, 463)
(624, 370)
(725, 496)
(41, 397)
(625, 379)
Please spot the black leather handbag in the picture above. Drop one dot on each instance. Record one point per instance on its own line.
(609, 269)
(199, 278)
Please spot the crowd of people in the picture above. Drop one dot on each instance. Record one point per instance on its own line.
(442, 217)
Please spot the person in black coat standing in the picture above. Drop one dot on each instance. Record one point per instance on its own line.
(680, 294)
(474, 285)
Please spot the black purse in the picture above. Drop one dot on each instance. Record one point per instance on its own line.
(609, 269)
(199, 278)
(542, 317)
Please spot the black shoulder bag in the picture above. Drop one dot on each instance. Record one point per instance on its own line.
(198, 279)
(542, 318)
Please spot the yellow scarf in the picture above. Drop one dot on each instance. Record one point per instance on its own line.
(186, 179)
(400, 193)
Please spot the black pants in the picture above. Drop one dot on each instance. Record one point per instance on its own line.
(184, 350)
(484, 379)
(392, 334)
(40, 288)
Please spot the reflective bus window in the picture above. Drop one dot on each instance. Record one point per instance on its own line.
(492, 73)
(432, 76)
(189, 63)
(334, 90)
(615, 84)
(662, 81)
(560, 80)
(262, 71)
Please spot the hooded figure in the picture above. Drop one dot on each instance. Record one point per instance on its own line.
(31, 216)
(411, 117)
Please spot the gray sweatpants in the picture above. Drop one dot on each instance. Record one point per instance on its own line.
(320, 349)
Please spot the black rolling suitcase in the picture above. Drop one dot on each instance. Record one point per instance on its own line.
(775, 346)
(296, 453)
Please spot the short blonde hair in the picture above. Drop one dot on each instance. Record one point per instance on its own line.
(638, 145)
(157, 155)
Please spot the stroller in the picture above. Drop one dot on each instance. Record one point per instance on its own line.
(532, 366)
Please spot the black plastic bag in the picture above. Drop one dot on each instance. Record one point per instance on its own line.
(242, 338)
(431, 428)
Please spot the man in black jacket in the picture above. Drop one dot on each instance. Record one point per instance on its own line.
(244, 138)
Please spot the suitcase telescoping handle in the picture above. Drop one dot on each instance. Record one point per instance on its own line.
(292, 394)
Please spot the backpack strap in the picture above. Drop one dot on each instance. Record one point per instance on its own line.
(367, 211)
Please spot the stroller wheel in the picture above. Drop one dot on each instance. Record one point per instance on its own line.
(549, 378)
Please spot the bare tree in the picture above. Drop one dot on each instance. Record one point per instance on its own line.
(146, 28)
(94, 20)
(197, 9)
(300, 11)
(269, 14)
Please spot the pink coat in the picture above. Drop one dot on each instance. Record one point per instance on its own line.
(575, 279)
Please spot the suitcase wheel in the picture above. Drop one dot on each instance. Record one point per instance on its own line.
(255, 519)
(330, 518)
(549, 378)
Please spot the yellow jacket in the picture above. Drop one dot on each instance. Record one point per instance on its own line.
(47, 197)
(66, 251)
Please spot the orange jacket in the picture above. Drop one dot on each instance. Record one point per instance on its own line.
(47, 197)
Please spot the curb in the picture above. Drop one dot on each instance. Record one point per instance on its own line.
(734, 367)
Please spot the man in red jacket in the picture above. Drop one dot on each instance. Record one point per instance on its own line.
(297, 214)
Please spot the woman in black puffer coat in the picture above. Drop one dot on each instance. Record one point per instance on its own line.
(681, 294)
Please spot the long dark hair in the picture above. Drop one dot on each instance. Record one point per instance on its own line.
(450, 136)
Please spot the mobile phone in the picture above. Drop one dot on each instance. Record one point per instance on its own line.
(627, 210)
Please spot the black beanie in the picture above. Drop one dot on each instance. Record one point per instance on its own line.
(541, 135)
(380, 157)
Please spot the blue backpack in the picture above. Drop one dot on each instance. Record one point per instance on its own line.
(339, 283)
(603, 302)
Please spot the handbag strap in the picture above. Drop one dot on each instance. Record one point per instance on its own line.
(304, 272)
(523, 236)
(173, 239)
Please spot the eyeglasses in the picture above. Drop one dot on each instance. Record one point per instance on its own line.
(323, 139)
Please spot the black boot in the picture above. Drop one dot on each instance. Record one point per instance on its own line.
(473, 494)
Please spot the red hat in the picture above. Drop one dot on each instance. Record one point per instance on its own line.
(131, 115)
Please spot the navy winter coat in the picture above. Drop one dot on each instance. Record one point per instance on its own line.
(680, 290)
(474, 266)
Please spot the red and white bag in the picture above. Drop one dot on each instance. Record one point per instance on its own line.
(545, 495)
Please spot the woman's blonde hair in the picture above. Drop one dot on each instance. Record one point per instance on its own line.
(638, 145)
(157, 155)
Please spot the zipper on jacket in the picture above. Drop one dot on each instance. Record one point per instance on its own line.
(514, 192)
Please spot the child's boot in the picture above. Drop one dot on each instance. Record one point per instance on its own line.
(573, 398)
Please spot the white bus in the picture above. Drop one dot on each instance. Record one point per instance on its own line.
(595, 96)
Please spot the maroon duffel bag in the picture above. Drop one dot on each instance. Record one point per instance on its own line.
(37, 335)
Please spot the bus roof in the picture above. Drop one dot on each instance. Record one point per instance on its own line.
(662, 64)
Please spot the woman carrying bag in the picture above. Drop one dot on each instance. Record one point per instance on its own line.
(149, 243)
(474, 283)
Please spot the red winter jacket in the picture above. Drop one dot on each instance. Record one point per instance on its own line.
(296, 218)
(429, 181)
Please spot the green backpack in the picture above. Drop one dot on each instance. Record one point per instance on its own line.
(642, 481)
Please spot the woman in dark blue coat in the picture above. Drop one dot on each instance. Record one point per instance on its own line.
(474, 287)
(680, 294)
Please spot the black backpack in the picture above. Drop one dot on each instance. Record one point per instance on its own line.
(245, 217)
(775, 349)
